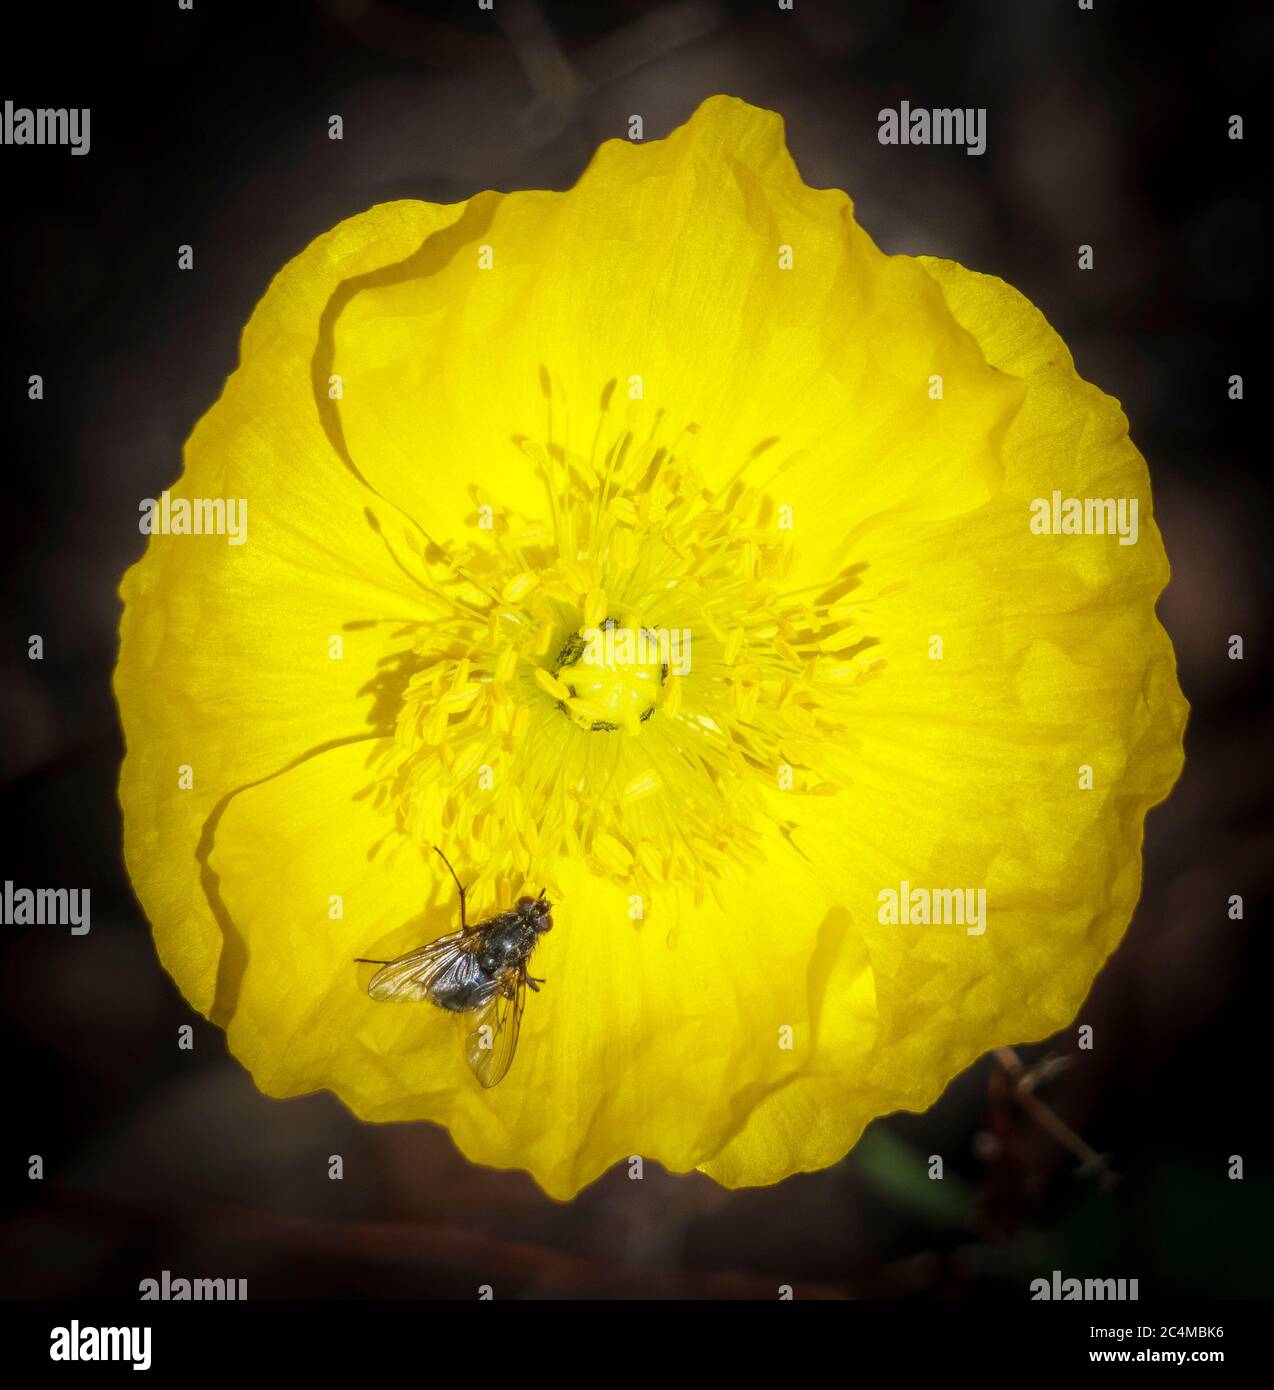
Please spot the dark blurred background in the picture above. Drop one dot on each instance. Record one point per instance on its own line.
(209, 127)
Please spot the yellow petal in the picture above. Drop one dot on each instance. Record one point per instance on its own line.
(664, 270)
(653, 1035)
(967, 769)
(224, 663)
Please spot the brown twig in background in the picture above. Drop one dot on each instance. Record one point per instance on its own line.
(1022, 1088)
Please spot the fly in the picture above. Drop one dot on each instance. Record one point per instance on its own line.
(479, 971)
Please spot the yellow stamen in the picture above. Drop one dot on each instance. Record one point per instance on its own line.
(652, 769)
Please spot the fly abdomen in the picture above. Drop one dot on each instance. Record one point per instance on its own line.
(465, 996)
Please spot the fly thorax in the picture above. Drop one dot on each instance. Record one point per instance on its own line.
(502, 948)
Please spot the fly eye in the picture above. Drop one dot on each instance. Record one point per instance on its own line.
(525, 902)
(545, 923)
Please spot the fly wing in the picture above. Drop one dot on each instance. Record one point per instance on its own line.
(416, 975)
(491, 1043)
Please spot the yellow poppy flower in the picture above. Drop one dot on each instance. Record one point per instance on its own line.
(688, 400)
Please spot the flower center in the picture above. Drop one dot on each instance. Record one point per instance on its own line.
(594, 613)
(612, 675)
